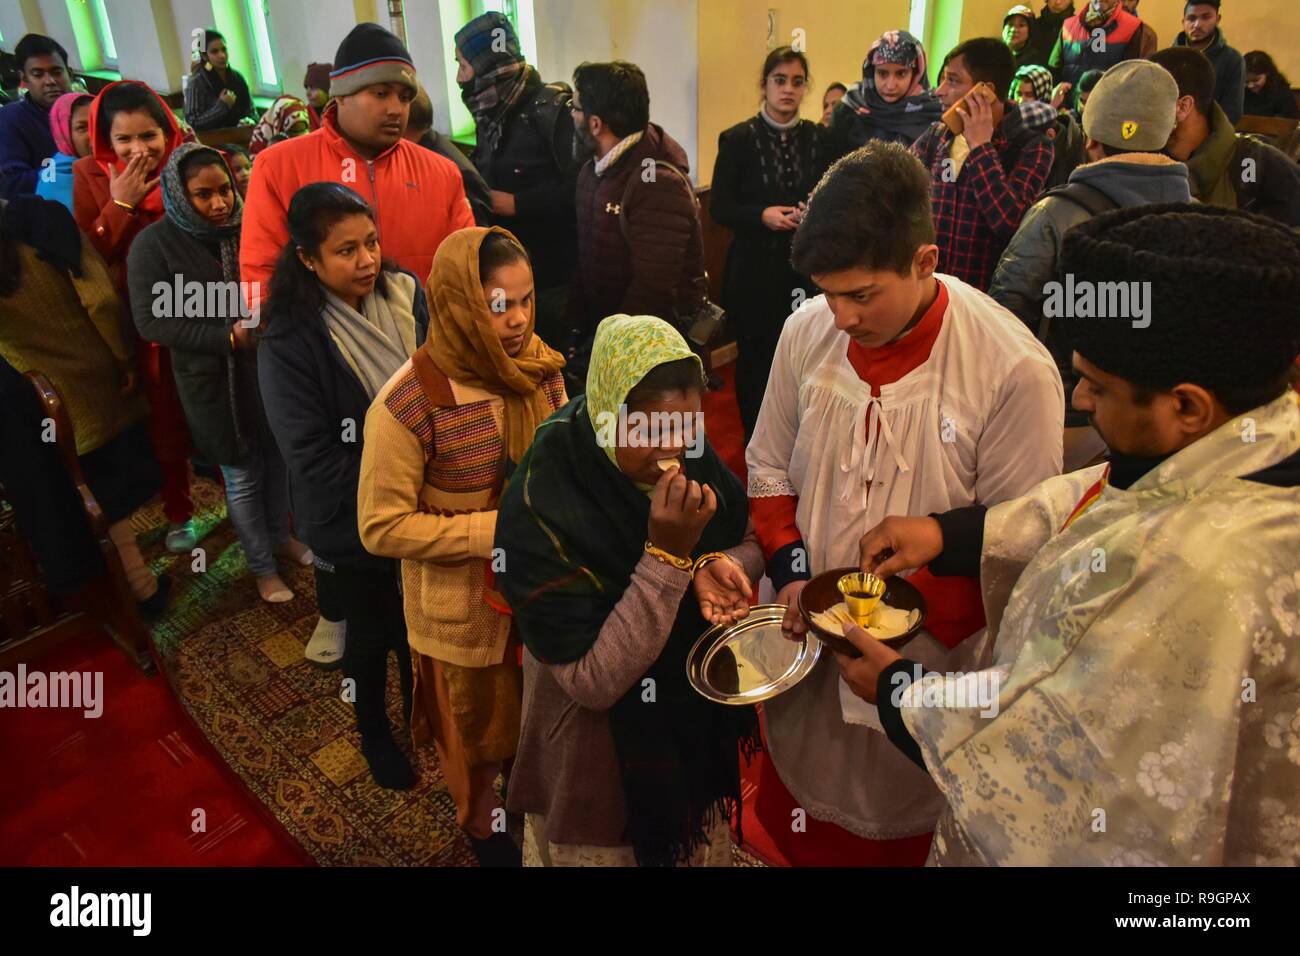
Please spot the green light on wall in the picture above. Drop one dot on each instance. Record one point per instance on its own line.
(228, 18)
(257, 17)
(945, 33)
(83, 31)
(105, 31)
(454, 14)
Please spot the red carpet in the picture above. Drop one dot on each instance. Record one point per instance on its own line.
(722, 421)
(121, 789)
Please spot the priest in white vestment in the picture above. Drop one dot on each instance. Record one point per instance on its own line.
(1145, 679)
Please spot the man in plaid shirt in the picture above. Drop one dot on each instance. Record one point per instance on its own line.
(982, 181)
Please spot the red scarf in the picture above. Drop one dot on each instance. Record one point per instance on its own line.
(102, 149)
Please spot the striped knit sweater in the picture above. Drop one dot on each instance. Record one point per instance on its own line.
(428, 495)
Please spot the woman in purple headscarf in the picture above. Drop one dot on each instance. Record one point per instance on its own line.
(70, 124)
(894, 101)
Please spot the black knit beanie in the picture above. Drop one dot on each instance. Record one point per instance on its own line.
(368, 55)
(1221, 293)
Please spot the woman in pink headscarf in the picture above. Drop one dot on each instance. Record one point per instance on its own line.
(70, 124)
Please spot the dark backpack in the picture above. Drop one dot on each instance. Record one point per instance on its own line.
(1092, 201)
(543, 114)
(702, 321)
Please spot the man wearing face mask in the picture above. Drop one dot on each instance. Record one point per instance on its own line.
(524, 150)
(1079, 47)
(640, 249)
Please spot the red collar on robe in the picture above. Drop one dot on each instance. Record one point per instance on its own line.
(888, 363)
(954, 605)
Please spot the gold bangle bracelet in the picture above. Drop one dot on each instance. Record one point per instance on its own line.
(659, 554)
(712, 556)
(125, 205)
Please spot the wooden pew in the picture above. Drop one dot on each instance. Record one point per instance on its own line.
(1278, 130)
(238, 135)
(30, 619)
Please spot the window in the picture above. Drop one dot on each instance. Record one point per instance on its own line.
(246, 25)
(93, 35)
(916, 22)
(104, 33)
(259, 19)
(453, 15)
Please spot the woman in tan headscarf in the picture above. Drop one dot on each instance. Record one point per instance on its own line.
(442, 438)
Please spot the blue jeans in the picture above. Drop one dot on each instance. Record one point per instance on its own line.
(257, 498)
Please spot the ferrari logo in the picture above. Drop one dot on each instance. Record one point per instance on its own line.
(1129, 130)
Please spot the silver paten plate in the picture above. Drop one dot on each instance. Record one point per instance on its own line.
(749, 661)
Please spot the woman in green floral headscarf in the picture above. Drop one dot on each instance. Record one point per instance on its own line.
(620, 762)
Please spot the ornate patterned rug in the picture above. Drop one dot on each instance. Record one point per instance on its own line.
(236, 664)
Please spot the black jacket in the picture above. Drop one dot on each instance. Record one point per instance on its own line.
(203, 107)
(1229, 73)
(758, 282)
(534, 161)
(317, 407)
(476, 189)
(202, 362)
(1271, 102)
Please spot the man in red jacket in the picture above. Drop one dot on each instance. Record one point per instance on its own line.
(417, 195)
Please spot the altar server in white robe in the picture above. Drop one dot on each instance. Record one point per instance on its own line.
(895, 391)
(1146, 672)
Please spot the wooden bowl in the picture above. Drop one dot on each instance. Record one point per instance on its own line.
(823, 593)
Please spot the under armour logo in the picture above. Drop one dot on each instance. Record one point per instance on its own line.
(613, 207)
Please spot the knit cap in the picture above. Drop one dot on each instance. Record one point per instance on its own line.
(318, 76)
(1132, 107)
(487, 41)
(370, 55)
(1212, 294)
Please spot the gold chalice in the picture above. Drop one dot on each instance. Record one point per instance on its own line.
(862, 592)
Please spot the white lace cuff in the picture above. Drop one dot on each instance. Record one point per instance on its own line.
(771, 488)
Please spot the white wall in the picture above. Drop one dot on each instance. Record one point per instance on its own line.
(660, 36)
(307, 31)
(430, 51)
(59, 25)
(14, 25)
(187, 16)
